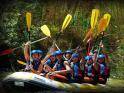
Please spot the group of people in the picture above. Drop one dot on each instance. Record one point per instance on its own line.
(69, 66)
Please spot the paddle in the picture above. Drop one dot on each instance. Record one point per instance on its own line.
(65, 24)
(101, 28)
(94, 17)
(104, 22)
(21, 62)
(103, 25)
(93, 21)
(89, 35)
(107, 17)
(33, 42)
(46, 31)
(28, 21)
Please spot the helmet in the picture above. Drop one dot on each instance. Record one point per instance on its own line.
(88, 57)
(75, 55)
(68, 51)
(36, 51)
(58, 52)
(101, 56)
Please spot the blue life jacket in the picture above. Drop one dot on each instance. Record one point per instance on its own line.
(60, 65)
(76, 69)
(89, 69)
(50, 63)
(102, 69)
(36, 63)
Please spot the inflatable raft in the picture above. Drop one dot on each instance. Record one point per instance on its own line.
(33, 81)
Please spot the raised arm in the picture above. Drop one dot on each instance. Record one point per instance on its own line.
(27, 52)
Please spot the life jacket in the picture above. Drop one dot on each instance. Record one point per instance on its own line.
(76, 70)
(60, 65)
(36, 63)
(103, 69)
(50, 63)
(89, 70)
(82, 64)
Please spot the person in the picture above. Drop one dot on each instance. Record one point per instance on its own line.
(68, 55)
(77, 73)
(49, 64)
(103, 69)
(82, 65)
(61, 67)
(89, 69)
(79, 51)
(35, 65)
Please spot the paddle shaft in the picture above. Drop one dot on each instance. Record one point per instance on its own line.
(31, 43)
(99, 46)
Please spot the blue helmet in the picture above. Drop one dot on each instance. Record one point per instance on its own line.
(88, 57)
(75, 55)
(58, 52)
(68, 52)
(101, 56)
(36, 52)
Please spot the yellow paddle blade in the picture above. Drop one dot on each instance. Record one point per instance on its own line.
(46, 30)
(94, 17)
(28, 20)
(89, 34)
(21, 62)
(107, 17)
(102, 25)
(66, 22)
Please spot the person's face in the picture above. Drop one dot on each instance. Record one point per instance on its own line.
(52, 58)
(59, 56)
(36, 56)
(75, 59)
(68, 56)
(100, 60)
(90, 61)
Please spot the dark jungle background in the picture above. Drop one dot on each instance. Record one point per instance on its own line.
(52, 13)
